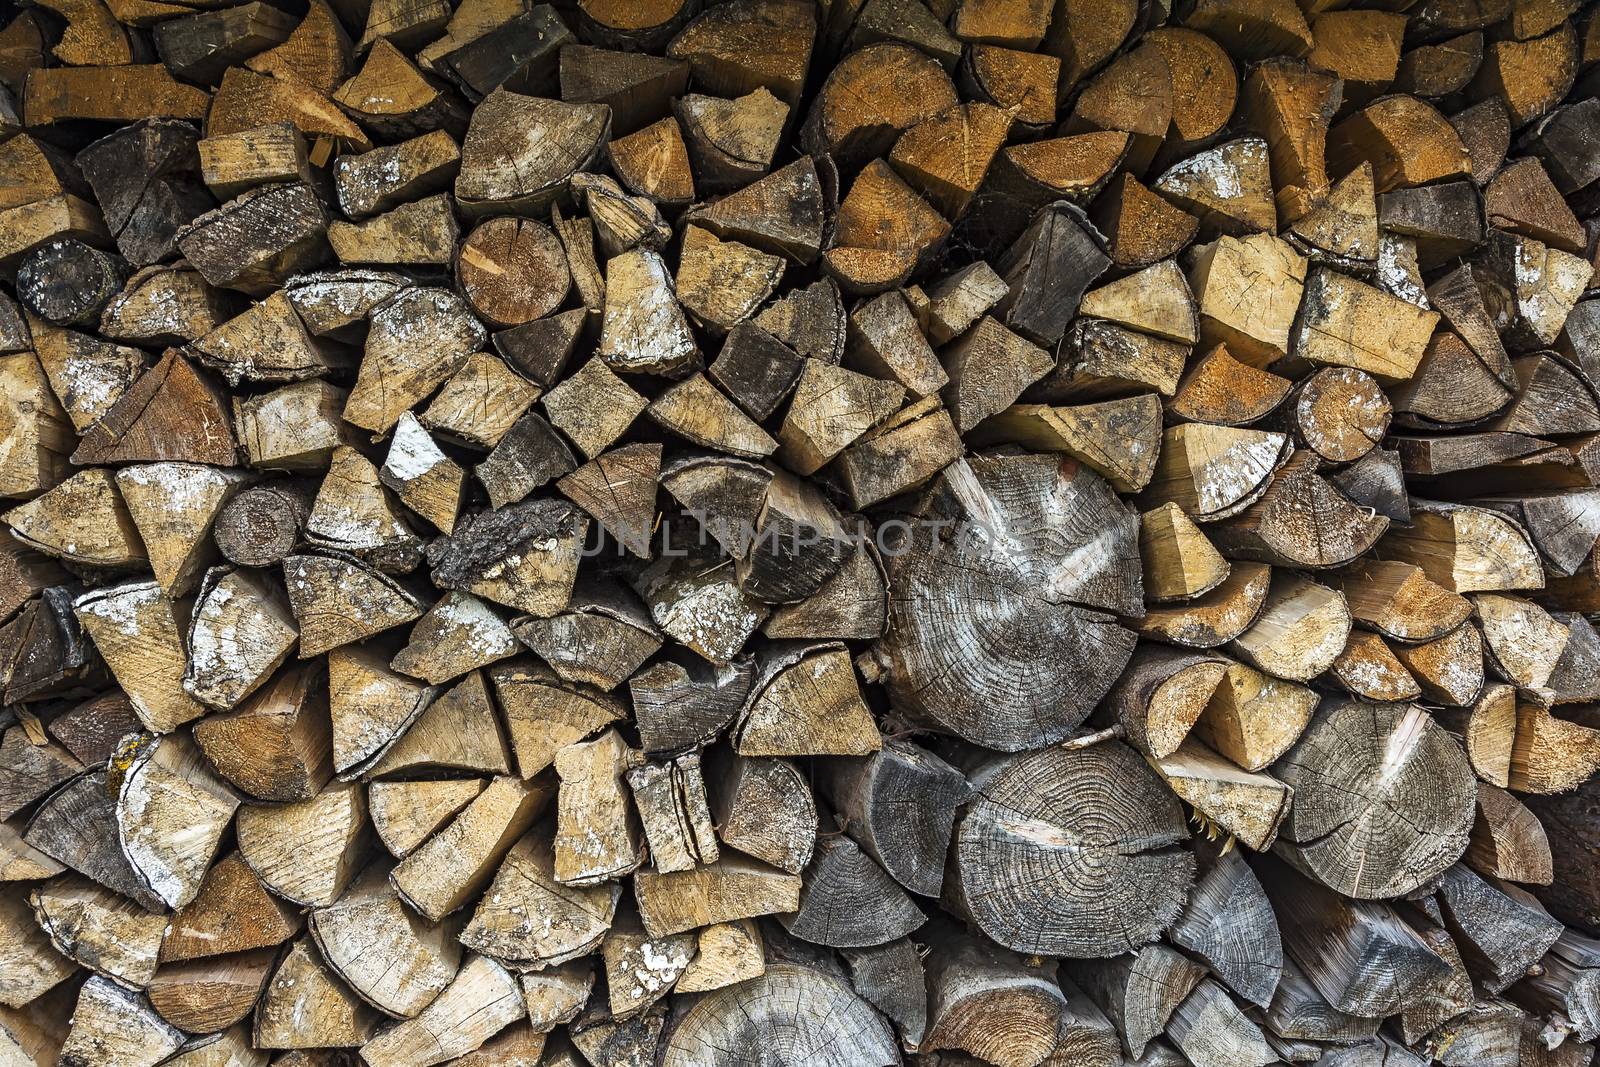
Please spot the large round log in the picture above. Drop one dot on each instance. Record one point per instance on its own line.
(792, 1015)
(994, 633)
(1071, 853)
(1384, 799)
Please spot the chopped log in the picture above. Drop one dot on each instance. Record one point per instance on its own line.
(1228, 188)
(1351, 764)
(1508, 842)
(111, 1024)
(731, 888)
(900, 805)
(166, 785)
(1230, 926)
(77, 826)
(1247, 805)
(212, 994)
(1161, 694)
(883, 232)
(1466, 549)
(476, 841)
(1141, 879)
(405, 814)
(394, 99)
(1501, 929)
(1359, 955)
(140, 635)
(1139, 992)
(832, 407)
(1300, 521)
(509, 922)
(1213, 472)
(306, 1007)
(233, 912)
(1368, 669)
(988, 1002)
(393, 960)
(849, 901)
(306, 851)
(763, 807)
(507, 162)
(95, 928)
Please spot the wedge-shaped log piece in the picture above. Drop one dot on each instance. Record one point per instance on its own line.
(31, 769)
(1230, 927)
(872, 96)
(1355, 766)
(699, 604)
(1248, 805)
(698, 411)
(1501, 929)
(242, 629)
(832, 406)
(524, 556)
(370, 707)
(1161, 694)
(233, 912)
(598, 836)
(87, 374)
(173, 506)
(619, 490)
(1211, 1031)
(1302, 629)
(460, 633)
(644, 330)
(1137, 992)
(1115, 892)
(1347, 323)
(114, 1025)
(307, 851)
(1551, 755)
(32, 965)
(763, 807)
(395, 960)
(510, 923)
(1180, 562)
(171, 815)
(77, 826)
(385, 178)
(83, 520)
(457, 732)
(140, 634)
(1228, 187)
(1465, 549)
(417, 340)
(783, 212)
(805, 701)
(1216, 617)
(1399, 600)
(1450, 669)
(294, 428)
(640, 970)
(306, 1007)
(544, 713)
(96, 928)
(1300, 521)
(988, 1002)
(520, 152)
(1508, 842)
(1213, 472)
(849, 901)
(426, 480)
(1253, 718)
(901, 804)
(210, 995)
(1369, 670)
(557, 994)
(732, 888)
(1361, 957)
(337, 602)
(267, 343)
(722, 283)
(603, 637)
(481, 402)
(1405, 139)
(34, 419)
(1524, 642)
(963, 694)
(883, 232)
(444, 874)
(726, 953)
(406, 813)
(809, 1014)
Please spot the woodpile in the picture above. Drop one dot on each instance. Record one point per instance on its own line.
(835, 533)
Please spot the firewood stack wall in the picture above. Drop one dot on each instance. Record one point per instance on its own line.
(841, 533)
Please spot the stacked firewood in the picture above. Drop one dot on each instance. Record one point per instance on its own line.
(833, 533)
